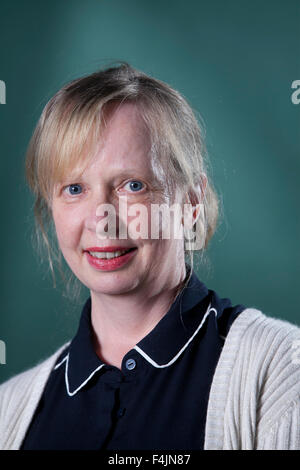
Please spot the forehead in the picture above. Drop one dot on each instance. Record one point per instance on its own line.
(125, 140)
(123, 145)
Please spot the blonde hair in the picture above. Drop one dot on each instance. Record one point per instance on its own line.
(70, 127)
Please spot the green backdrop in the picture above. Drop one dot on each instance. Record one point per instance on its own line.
(234, 61)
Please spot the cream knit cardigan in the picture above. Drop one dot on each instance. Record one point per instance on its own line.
(254, 401)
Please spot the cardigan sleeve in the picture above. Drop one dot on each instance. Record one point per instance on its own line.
(19, 397)
(284, 434)
(278, 411)
(254, 397)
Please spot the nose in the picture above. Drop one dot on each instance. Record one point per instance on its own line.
(101, 215)
(97, 200)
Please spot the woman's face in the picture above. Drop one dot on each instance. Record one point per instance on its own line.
(121, 174)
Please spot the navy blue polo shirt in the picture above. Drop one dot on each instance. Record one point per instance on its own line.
(157, 401)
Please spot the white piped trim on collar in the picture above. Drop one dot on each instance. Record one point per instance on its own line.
(148, 358)
(61, 362)
(140, 351)
(66, 359)
(83, 383)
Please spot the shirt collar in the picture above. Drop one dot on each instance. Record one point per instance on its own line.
(177, 328)
(160, 347)
(82, 361)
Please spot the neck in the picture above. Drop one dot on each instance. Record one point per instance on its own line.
(121, 321)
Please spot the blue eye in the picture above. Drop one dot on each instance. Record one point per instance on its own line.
(74, 189)
(135, 185)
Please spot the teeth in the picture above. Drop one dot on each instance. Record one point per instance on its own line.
(106, 254)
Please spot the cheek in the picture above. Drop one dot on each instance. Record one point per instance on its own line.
(165, 222)
(67, 228)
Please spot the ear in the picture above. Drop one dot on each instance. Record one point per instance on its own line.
(196, 196)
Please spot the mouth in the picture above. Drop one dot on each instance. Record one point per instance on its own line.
(110, 254)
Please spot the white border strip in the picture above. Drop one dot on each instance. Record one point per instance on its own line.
(148, 358)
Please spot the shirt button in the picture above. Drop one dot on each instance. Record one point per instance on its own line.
(121, 412)
(130, 364)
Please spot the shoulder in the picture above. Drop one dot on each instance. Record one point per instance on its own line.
(19, 395)
(267, 348)
(257, 379)
(271, 351)
(32, 373)
(254, 327)
(27, 376)
(270, 342)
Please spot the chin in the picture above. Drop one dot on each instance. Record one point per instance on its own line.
(113, 286)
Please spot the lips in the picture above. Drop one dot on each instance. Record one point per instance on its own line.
(109, 264)
(109, 249)
(109, 254)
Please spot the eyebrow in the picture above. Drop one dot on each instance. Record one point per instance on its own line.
(130, 171)
(123, 173)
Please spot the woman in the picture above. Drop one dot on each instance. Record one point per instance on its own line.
(158, 361)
